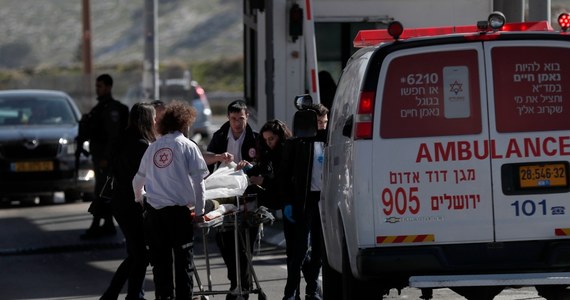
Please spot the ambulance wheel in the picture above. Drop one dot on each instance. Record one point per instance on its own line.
(332, 280)
(353, 288)
(553, 292)
(478, 292)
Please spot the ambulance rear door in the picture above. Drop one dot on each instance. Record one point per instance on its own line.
(432, 172)
(529, 109)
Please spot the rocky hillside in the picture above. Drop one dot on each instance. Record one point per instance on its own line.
(49, 32)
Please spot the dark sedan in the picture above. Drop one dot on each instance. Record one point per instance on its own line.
(38, 130)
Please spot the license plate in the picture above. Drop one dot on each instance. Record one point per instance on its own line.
(32, 166)
(544, 175)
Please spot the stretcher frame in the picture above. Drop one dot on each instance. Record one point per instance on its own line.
(236, 222)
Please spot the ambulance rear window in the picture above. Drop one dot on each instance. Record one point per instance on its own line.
(432, 94)
(530, 88)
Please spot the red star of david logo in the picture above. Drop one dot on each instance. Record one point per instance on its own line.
(456, 87)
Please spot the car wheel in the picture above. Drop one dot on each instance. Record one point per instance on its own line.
(72, 196)
(47, 199)
(88, 197)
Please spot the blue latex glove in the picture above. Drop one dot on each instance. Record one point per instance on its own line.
(288, 213)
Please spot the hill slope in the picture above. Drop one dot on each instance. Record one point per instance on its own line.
(49, 32)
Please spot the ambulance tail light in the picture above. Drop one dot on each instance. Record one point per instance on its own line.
(564, 21)
(364, 116)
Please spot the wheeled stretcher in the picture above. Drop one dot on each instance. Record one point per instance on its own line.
(246, 217)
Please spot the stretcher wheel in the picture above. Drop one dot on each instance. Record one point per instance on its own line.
(262, 296)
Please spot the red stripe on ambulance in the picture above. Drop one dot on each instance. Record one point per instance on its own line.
(562, 231)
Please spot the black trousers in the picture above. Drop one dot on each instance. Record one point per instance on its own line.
(170, 235)
(304, 252)
(226, 242)
(133, 267)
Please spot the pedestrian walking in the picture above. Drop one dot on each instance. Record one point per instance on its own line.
(128, 152)
(101, 127)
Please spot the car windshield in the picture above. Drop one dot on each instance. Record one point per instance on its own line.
(35, 110)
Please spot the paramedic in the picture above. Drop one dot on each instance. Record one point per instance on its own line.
(170, 180)
(301, 178)
(236, 137)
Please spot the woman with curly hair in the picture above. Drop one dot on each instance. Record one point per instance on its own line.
(169, 181)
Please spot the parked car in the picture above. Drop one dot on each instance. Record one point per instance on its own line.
(38, 130)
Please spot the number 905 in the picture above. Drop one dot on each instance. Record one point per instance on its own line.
(401, 200)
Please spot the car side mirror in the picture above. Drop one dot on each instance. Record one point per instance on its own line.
(305, 124)
(305, 120)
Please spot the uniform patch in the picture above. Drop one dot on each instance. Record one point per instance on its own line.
(162, 158)
(251, 152)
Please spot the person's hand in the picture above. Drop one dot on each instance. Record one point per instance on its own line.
(198, 219)
(244, 164)
(225, 157)
(288, 213)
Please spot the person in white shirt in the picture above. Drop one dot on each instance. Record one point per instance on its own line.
(237, 138)
(170, 181)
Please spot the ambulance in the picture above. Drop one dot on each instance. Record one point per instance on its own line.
(447, 162)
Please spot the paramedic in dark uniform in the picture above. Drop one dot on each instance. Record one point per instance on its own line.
(236, 137)
(301, 177)
(101, 127)
(171, 178)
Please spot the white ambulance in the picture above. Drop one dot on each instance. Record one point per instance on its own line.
(447, 162)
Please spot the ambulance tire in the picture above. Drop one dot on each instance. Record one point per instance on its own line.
(352, 288)
(553, 292)
(478, 292)
(332, 280)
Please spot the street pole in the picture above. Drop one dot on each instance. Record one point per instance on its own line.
(150, 63)
(539, 10)
(87, 56)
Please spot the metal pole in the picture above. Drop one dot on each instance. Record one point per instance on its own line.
(539, 10)
(150, 63)
(87, 56)
(513, 9)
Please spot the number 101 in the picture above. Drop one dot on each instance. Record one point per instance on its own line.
(529, 207)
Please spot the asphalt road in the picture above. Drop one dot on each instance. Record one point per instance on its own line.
(42, 257)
